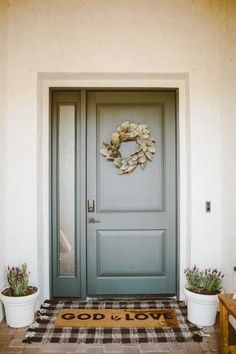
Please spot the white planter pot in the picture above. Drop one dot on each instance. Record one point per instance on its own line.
(19, 310)
(202, 309)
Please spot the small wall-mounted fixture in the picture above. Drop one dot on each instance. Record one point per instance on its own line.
(208, 206)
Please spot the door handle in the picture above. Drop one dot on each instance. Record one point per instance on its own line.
(93, 221)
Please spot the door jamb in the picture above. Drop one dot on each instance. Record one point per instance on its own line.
(83, 202)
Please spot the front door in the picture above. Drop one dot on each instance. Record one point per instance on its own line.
(113, 228)
(131, 231)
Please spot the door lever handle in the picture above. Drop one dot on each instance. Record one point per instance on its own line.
(93, 221)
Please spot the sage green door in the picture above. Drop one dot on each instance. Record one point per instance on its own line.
(131, 234)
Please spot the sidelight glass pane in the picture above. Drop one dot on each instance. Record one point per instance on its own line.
(66, 173)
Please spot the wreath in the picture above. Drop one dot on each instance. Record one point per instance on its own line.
(130, 132)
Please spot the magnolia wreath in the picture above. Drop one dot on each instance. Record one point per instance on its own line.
(130, 132)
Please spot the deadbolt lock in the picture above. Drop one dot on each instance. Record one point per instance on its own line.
(91, 206)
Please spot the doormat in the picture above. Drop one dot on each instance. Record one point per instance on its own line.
(44, 330)
(117, 318)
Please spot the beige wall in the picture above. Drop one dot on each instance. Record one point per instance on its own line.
(228, 141)
(3, 95)
(129, 36)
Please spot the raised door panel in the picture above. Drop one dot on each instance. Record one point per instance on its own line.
(118, 251)
(133, 192)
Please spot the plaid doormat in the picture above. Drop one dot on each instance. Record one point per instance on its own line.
(43, 329)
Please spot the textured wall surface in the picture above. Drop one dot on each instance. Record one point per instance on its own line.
(228, 143)
(3, 132)
(142, 36)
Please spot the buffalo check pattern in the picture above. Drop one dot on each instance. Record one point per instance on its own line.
(44, 331)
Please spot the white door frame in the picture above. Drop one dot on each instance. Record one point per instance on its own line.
(180, 82)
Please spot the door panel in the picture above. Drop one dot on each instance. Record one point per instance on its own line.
(118, 251)
(132, 247)
(125, 198)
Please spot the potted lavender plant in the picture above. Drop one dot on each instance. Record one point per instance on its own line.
(201, 293)
(19, 297)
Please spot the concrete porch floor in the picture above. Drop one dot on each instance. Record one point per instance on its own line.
(11, 342)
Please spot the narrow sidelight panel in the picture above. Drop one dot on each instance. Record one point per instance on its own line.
(65, 193)
(66, 176)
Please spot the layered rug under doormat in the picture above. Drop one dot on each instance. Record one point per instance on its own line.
(151, 321)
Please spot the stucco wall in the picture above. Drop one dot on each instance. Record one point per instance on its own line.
(3, 95)
(228, 142)
(141, 36)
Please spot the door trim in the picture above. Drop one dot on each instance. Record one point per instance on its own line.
(178, 82)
